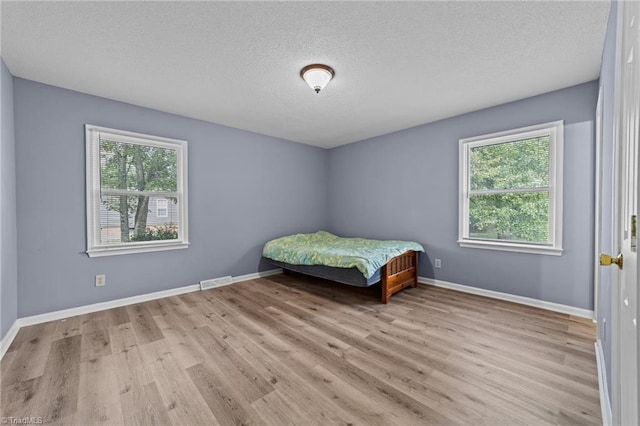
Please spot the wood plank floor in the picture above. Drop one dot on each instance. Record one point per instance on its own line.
(294, 350)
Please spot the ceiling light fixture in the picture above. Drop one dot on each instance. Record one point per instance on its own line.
(317, 76)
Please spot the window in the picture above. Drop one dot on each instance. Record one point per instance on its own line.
(511, 190)
(127, 175)
(162, 209)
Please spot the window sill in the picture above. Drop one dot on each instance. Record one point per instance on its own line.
(129, 249)
(513, 247)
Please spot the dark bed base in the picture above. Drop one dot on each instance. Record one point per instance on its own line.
(400, 272)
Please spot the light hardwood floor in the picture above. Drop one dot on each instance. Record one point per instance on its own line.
(293, 350)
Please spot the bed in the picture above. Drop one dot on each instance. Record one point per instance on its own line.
(354, 261)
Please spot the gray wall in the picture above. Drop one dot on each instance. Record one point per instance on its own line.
(8, 255)
(244, 189)
(607, 82)
(405, 185)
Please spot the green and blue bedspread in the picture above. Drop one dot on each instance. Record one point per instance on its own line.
(324, 248)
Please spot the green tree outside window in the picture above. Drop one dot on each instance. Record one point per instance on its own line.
(509, 191)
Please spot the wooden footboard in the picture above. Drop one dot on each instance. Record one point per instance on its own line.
(398, 273)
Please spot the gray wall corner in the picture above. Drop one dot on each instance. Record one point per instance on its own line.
(8, 222)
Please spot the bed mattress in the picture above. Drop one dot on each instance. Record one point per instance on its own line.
(326, 249)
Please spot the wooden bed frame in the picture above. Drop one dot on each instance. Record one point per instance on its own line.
(398, 273)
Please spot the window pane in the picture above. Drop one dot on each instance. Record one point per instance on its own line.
(519, 217)
(510, 165)
(122, 221)
(137, 167)
(161, 207)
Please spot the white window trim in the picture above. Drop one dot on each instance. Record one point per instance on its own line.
(556, 132)
(94, 248)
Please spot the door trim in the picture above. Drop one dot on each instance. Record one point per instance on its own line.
(605, 400)
(598, 203)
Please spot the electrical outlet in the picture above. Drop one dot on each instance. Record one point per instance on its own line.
(438, 264)
(101, 280)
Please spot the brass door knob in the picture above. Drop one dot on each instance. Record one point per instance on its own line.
(606, 260)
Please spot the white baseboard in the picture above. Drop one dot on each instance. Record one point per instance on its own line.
(95, 307)
(605, 402)
(8, 338)
(551, 306)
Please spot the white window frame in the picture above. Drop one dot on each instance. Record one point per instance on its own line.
(165, 202)
(94, 246)
(555, 131)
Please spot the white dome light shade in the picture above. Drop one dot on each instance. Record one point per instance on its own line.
(317, 76)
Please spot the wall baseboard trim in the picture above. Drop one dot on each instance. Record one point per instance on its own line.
(605, 402)
(550, 306)
(8, 338)
(96, 307)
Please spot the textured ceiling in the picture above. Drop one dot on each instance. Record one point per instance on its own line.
(397, 64)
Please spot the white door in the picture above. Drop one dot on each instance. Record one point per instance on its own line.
(625, 297)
